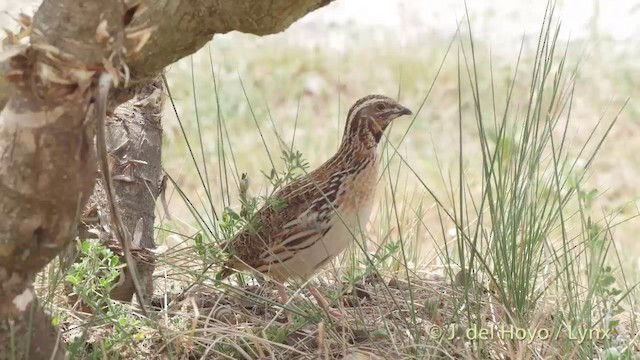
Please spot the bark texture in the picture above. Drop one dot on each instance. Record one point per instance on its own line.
(43, 340)
(188, 25)
(47, 158)
(134, 135)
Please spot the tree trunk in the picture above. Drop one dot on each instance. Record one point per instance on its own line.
(34, 337)
(134, 141)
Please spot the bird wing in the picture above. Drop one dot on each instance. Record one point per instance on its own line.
(305, 219)
(296, 235)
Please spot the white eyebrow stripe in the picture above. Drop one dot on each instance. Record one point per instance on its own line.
(364, 104)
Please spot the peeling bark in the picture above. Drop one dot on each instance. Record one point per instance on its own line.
(134, 143)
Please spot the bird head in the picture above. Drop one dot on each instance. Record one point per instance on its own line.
(369, 117)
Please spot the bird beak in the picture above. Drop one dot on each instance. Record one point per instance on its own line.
(401, 110)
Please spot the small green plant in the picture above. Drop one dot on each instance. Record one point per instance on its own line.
(295, 166)
(228, 222)
(92, 280)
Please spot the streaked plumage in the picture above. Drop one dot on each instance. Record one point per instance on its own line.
(321, 210)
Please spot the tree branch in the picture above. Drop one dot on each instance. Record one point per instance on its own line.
(181, 27)
(188, 25)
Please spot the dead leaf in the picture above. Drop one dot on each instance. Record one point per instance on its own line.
(102, 33)
(24, 20)
(140, 37)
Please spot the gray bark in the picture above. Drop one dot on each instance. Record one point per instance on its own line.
(134, 135)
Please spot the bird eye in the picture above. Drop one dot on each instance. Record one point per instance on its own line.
(380, 107)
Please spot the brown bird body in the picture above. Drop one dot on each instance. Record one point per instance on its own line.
(320, 212)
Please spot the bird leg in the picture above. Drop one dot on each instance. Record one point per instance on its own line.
(285, 299)
(322, 301)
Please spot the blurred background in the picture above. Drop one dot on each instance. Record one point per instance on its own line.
(408, 20)
(240, 93)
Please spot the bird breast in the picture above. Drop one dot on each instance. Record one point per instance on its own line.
(358, 194)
